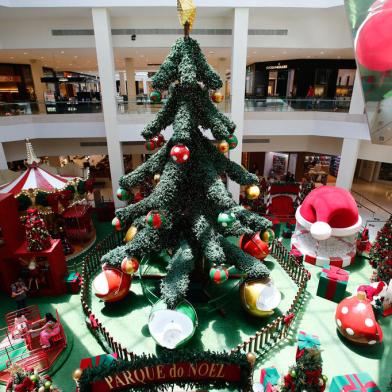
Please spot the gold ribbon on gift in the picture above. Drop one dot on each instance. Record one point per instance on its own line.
(186, 12)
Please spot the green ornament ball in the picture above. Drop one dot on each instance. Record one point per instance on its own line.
(47, 384)
(123, 194)
(233, 141)
(226, 219)
(293, 373)
(219, 274)
(155, 96)
(34, 378)
(150, 145)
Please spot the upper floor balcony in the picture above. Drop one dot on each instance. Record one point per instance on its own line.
(318, 117)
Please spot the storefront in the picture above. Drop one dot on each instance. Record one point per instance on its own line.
(71, 92)
(290, 166)
(16, 83)
(291, 78)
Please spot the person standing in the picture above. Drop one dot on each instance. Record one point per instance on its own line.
(310, 95)
(18, 293)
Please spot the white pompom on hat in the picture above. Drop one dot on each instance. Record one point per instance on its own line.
(329, 211)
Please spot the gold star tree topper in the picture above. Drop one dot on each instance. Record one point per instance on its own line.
(186, 12)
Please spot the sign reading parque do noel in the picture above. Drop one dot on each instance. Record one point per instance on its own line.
(210, 371)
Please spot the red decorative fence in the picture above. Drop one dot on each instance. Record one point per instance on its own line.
(260, 343)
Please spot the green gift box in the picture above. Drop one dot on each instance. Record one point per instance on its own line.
(333, 283)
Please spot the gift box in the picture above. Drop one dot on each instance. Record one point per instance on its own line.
(332, 283)
(103, 359)
(73, 281)
(306, 342)
(360, 382)
(269, 377)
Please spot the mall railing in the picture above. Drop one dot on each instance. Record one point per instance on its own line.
(146, 107)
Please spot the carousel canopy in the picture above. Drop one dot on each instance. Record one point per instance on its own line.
(35, 177)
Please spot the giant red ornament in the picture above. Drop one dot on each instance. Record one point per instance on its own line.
(373, 44)
(356, 321)
(180, 153)
(111, 284)
(254, 246)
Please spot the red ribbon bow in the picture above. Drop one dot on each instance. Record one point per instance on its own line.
(336, 273)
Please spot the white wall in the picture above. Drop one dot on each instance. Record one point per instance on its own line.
(375, 152)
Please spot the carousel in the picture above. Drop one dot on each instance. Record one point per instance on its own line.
(61, 200)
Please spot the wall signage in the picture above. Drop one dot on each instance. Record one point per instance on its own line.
(198, 370)
(161, 374)
(10, 79)
(278, 66)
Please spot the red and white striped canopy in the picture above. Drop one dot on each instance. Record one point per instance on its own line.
(35, 178)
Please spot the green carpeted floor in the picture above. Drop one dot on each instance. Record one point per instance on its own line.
(127, 321)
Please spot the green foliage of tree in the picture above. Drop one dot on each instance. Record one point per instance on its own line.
(190, 195)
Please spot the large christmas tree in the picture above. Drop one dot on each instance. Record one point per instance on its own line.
(381, 253)
(190, 210)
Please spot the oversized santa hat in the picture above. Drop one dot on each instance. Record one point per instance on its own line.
(329, 211)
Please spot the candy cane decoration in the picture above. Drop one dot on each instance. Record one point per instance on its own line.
(269, 199)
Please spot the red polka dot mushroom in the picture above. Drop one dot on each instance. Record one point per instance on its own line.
(356, 321)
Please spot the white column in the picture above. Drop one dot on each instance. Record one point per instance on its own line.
(130, 71)
(357, 104)
(123, 83)
(238, 74)
(348, 161)
(39, 88)
(105, 58)
(3, 159)
(145, 87)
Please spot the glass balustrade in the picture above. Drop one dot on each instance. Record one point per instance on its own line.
(144, 106)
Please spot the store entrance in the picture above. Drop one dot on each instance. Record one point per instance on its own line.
(280, 83)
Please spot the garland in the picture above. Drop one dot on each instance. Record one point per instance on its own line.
(167, 357)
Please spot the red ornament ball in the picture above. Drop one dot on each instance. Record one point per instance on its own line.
(116, 223)
(129, 265)
(373, 43)
(159, 140)
(254, 246)
(138, 197)
(155, 219)
(111, 284)
(180, 153)
(150, 145)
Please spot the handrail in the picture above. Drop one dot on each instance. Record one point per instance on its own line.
(378, 206)
(264, 340)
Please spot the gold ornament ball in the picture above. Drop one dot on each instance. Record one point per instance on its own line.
(252, 297)
(77, 374)
(252, 192)
(293, 373)
(41, 389)
(251, 358)
(223, 146)
(217, 97)
(157, 178)
(131, 232)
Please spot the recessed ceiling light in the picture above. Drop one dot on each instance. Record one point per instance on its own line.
(42, 57)
(339, 57)
(284, 52)
(25, 53)
(308, 57)
(211, 52)
(273, 56)
(254, 52)
(70, 64)
(45, 65)
(75, 57)
(142, 55)
(321, 52)
(62, 52)
(12, 57)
